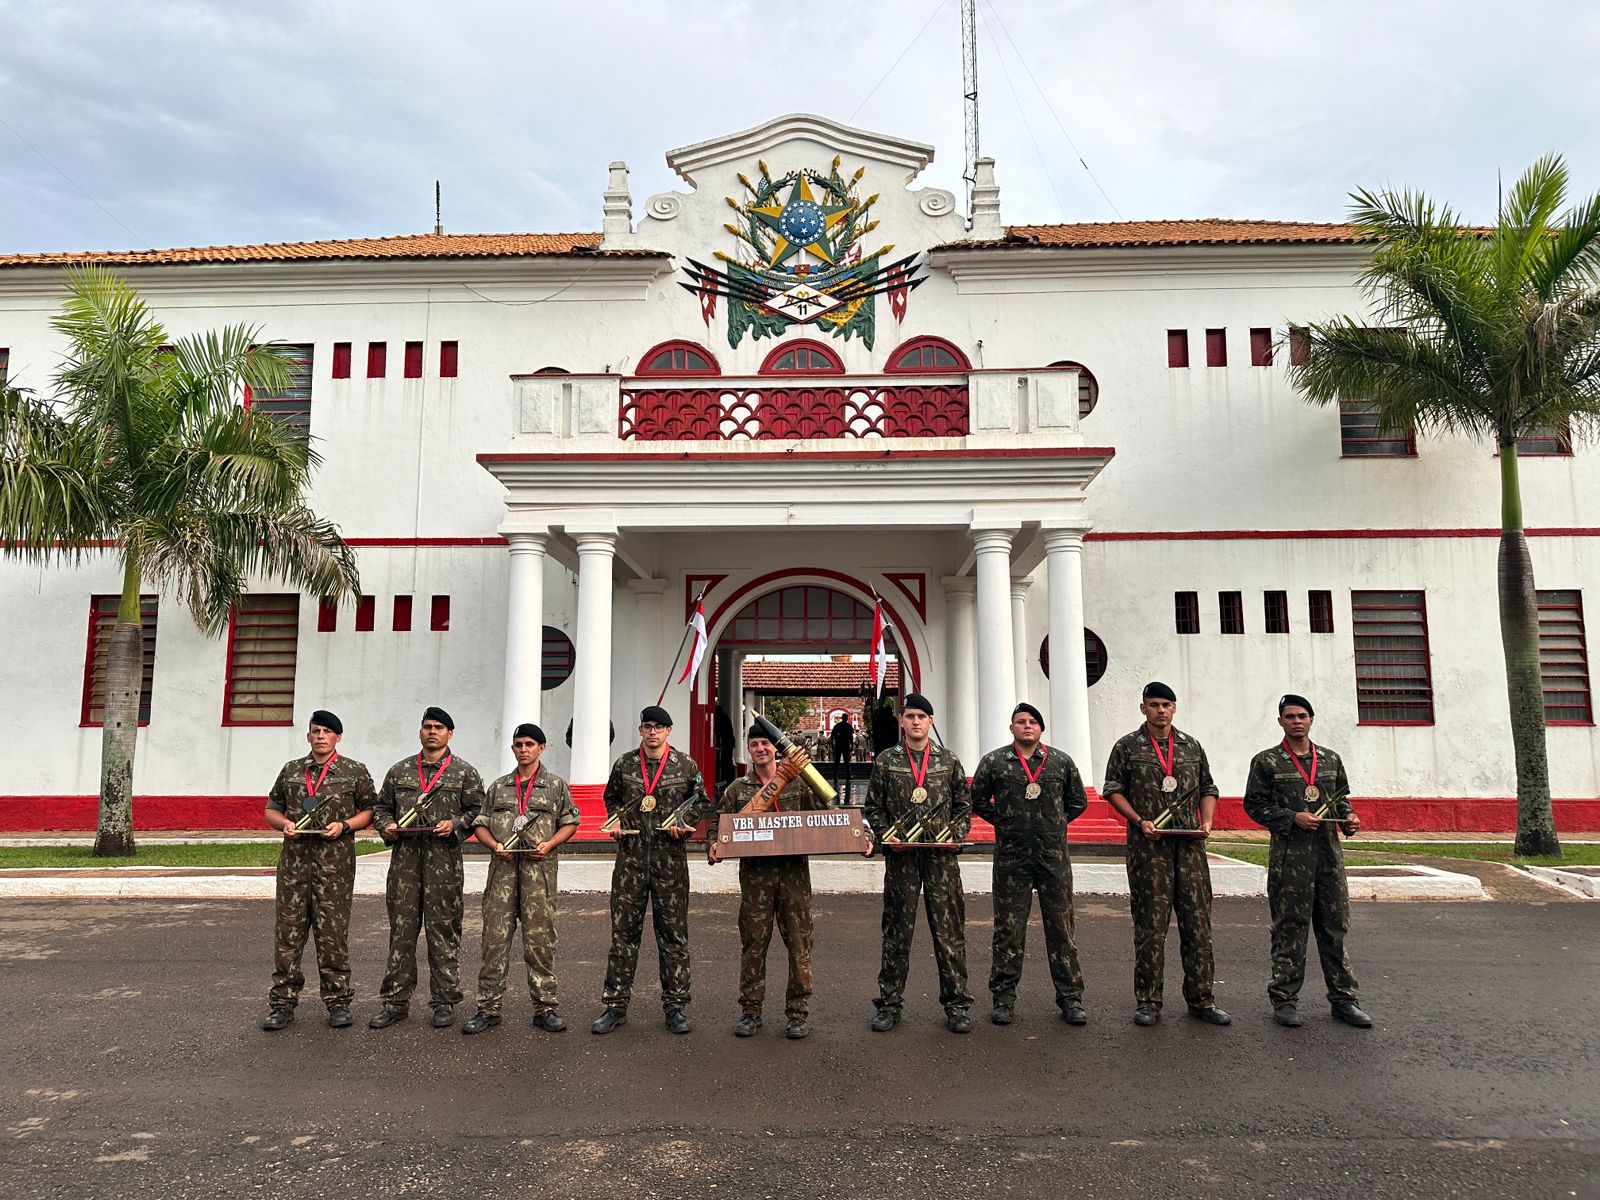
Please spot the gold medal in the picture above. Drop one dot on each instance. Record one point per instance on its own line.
(648, 804)
(1169, 784)
(1032, 791)
(1312, 792)
(919, 795)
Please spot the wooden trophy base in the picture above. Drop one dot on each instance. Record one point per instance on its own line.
(812, 831)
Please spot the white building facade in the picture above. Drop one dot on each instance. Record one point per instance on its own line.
(801, 383)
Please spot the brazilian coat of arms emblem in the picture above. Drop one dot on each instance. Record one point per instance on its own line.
(801, 259)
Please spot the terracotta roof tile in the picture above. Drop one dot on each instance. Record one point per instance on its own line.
(817, 678)
(412, 246)
(1209, 231)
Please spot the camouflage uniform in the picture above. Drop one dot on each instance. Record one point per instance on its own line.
(425, 878)
(316, 879)
(1305, 871)
(1167, 872)
(1030, 854)
(934, 873)
(774, 888)
(652, 870)
(523, 889)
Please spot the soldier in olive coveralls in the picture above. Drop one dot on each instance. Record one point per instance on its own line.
(425, 877)
(1030, 792)
(531, 808)
(898, 775)
(1166, 872)
(1306, 886)
(652, 868)
(316, 869)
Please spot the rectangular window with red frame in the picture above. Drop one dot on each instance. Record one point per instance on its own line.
(402, 614)
(449, 359)
(290, 407)
(377, 359)
(1261, 347)
(1564, 658)
(327, 616)
(1394, 678)
(1216, 347)
(1177, 347)
(1550, 441)
(1230, 608)
(1276, 611)
(413, 360)
(439, 614)
(1361, 435)
(366, 613)
(263, 649)
(1299, 346)
(341, 360)
(1186, 611)
(102, 616)
(1319, 611)
(5, 363)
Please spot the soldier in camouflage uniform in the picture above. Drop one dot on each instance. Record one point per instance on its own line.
(316, 869)
(652, 868)
(425, 877)
(772, 888)
(1166, 872)
(1030, 792)
(532, 808)
(898, 776)
(1305, 868)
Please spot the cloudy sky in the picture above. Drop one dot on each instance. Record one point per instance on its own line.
(165, 123)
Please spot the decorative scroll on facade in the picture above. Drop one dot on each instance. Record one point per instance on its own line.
(839, 410)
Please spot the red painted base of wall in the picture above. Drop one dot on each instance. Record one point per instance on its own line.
(76, 814)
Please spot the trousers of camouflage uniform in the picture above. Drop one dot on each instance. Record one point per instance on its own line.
(316, 880)
(1165, 874)
(1022, 866)
(424, 895)
(522, 891)
(775, 891)
(937, 876)
(651, 870)
(1306, 889)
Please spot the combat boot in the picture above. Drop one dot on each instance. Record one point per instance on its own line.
(1002, 1014)
(1072, 1013)
(480, 1021)
(444, 1016)
(609, 1020)
(748, 1024)
(1351, 1014)
(677, 1021)
(1287, 1015)
(958, 1022)
(885, 1019)
(1146, 1014)
(277, 1019)
(339, 1017)
(386, 1017)
(797, 1029)
(1210, 1014)
(550, 1021)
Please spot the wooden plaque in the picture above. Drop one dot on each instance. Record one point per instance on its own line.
(814, 831)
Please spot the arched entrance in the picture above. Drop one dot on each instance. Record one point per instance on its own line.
(813, 614)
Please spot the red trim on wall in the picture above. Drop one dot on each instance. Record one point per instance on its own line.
(413, 543)
(810, 455)
(1289, 535)
(915, 585)
(692, 586)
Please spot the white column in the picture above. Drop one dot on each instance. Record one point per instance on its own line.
(733, 699)
(591, 692)
(960, 728)
(1069, 683)
(997, 685)
(649, 652)
(524, 638)
(1019, 639)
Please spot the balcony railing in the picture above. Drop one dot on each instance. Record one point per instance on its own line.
(734, 410)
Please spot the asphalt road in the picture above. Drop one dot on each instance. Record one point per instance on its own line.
(131, 1065)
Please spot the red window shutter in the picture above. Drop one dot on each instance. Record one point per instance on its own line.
(1299, 347)
(413, 360)
(1261, 347)
(263, 645)
(439, 615)
(402, 614)
(327, 616)
(366, 611)
(341, 360)
(448, 357)
(1177, 347)
(377, 359)
(1216, 347)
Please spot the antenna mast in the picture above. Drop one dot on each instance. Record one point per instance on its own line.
(438, 210)
(969, 91)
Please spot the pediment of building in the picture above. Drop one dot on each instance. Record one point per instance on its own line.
(808, 135)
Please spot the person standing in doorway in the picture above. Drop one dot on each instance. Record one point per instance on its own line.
(843, 738)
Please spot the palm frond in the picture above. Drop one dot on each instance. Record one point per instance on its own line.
(52, 502)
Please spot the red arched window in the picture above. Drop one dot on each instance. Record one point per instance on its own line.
(927, 354)
(678, 358)
(1088, 387)
(552, 371)
(802, 357)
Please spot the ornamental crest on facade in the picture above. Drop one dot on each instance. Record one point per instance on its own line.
(801, 257)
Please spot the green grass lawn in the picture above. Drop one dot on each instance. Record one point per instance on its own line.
(151, 854)
(1367, 853)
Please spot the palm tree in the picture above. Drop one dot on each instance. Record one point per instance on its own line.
(1490, 332)
(145, 451)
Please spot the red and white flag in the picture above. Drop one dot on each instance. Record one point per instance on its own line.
(881, 628)
(698, 650)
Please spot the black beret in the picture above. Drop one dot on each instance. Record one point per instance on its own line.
(434, 713)
(529, 730)
(757, 732)
(1024, 707)
(1159, 691)
(1290, 698)
(328, 721)
(919, 702)
(654, 714)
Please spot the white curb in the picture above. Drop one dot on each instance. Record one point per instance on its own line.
(1583, 882)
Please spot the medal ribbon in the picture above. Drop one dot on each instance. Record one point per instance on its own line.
(312, 790)
(1033, 776)
(644, 770)
(1311, 779)
(427, 785)
(1171, 760)
(524, 796)
(916, 775)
